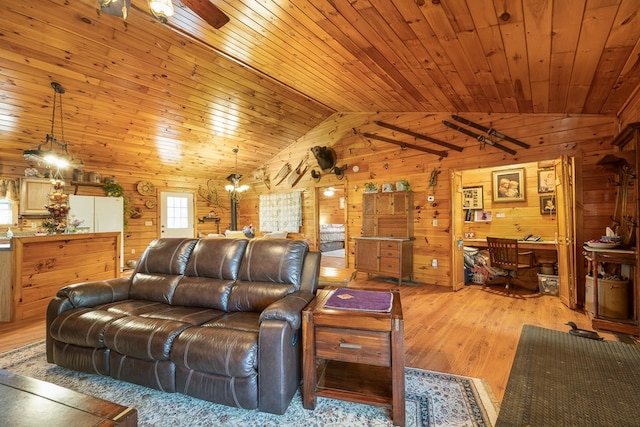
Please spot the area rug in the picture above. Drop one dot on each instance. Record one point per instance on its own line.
(559, 379)
(432, 399)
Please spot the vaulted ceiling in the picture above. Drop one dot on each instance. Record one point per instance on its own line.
(180, 96)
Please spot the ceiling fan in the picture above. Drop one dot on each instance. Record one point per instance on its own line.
(163, 9)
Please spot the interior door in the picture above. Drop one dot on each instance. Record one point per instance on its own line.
(566, 246)
(331, 208)
(457, 248)
(176, 214)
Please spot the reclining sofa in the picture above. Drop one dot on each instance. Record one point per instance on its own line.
(217, 319)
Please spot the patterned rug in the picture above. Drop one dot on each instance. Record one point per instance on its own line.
(432, 399)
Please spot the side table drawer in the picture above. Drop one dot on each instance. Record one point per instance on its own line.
(355, 346)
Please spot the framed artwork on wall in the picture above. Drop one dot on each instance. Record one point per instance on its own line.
(472, 198)
(483, 216)
(509, 185)
(546, 180)
(547, 205)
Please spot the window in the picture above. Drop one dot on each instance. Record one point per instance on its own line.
(177, 212)
(6, 212)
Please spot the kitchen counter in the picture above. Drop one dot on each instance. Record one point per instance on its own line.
(35, 267)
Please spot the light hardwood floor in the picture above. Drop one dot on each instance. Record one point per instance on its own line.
(473, 332)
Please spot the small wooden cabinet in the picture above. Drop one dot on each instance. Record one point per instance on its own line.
(386, 244)
(387, 214)
(385, 256)
(34, 196)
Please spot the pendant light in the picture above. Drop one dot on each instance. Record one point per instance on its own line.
(161, 9)
(234, 189)
(52, 153)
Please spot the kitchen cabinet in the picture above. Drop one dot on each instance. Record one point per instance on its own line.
(34, 196)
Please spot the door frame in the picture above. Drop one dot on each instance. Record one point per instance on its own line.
(161, 209)
(331, 181)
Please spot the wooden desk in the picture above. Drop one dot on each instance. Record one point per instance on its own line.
(30, 402)
(356, 356)
(546, 245)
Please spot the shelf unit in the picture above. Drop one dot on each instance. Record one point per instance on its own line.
(386, 245)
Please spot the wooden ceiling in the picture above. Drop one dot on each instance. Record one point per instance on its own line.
(177, 97)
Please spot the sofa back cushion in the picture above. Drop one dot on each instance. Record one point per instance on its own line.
(160, 269)
(210, 273)
(270, 269)
(216, 258)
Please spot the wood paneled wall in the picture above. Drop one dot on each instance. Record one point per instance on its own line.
(586, 137)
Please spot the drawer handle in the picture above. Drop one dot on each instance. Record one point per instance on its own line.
(347, 345)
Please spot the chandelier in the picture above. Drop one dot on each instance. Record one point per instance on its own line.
(234, 189)
(52, 152)
(161, 9)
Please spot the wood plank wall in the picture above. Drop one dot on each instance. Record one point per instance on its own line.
(586, 137)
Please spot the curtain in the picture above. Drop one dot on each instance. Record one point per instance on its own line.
(281, 212)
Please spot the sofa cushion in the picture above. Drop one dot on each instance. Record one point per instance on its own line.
(222, 351)
(190, 315)
(274, 260)
(256, 296)
(131, 307)
(83, 327)
(166, 256)
(216, 258)
(203, 292)
(154, 287)
(143, 338)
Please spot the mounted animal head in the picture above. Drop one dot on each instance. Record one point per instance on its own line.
(325, 156)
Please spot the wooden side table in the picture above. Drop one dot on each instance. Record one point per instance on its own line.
(354, 355)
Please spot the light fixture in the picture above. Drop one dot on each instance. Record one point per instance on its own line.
(115, 7)
(329, 191)
(52, 152)
(161, 9)
(234, 189)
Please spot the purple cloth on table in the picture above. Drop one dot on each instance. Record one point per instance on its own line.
(354, 299)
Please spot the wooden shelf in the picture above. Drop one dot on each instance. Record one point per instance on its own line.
(85, 184)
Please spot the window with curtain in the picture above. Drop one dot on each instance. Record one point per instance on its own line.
(281, 212)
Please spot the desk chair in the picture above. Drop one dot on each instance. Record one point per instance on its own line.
(504, 253)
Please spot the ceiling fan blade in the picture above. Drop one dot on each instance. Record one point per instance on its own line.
(207, 11)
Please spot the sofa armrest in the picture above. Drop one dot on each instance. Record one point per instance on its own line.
(288, 309)
(90, 294)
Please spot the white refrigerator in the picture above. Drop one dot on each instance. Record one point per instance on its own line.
(99, 214)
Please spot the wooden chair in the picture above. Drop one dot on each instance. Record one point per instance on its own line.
(504, 254)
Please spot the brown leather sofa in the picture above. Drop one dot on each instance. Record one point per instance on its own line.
(217, 319)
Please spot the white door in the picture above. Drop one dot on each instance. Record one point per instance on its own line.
(176, 214)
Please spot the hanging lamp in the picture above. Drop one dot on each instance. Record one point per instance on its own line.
(52, 153)
(234, 189)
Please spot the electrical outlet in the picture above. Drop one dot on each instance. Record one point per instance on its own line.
(434, 263)
(148, 223)
(133, 251)
(434, 222)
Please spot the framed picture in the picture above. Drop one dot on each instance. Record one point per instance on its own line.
(483, 216)
(509, 185)
(547, 205)
(472, 198)
(546, 180)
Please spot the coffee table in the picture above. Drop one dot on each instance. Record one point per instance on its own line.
(27, 402)
(354, 355)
